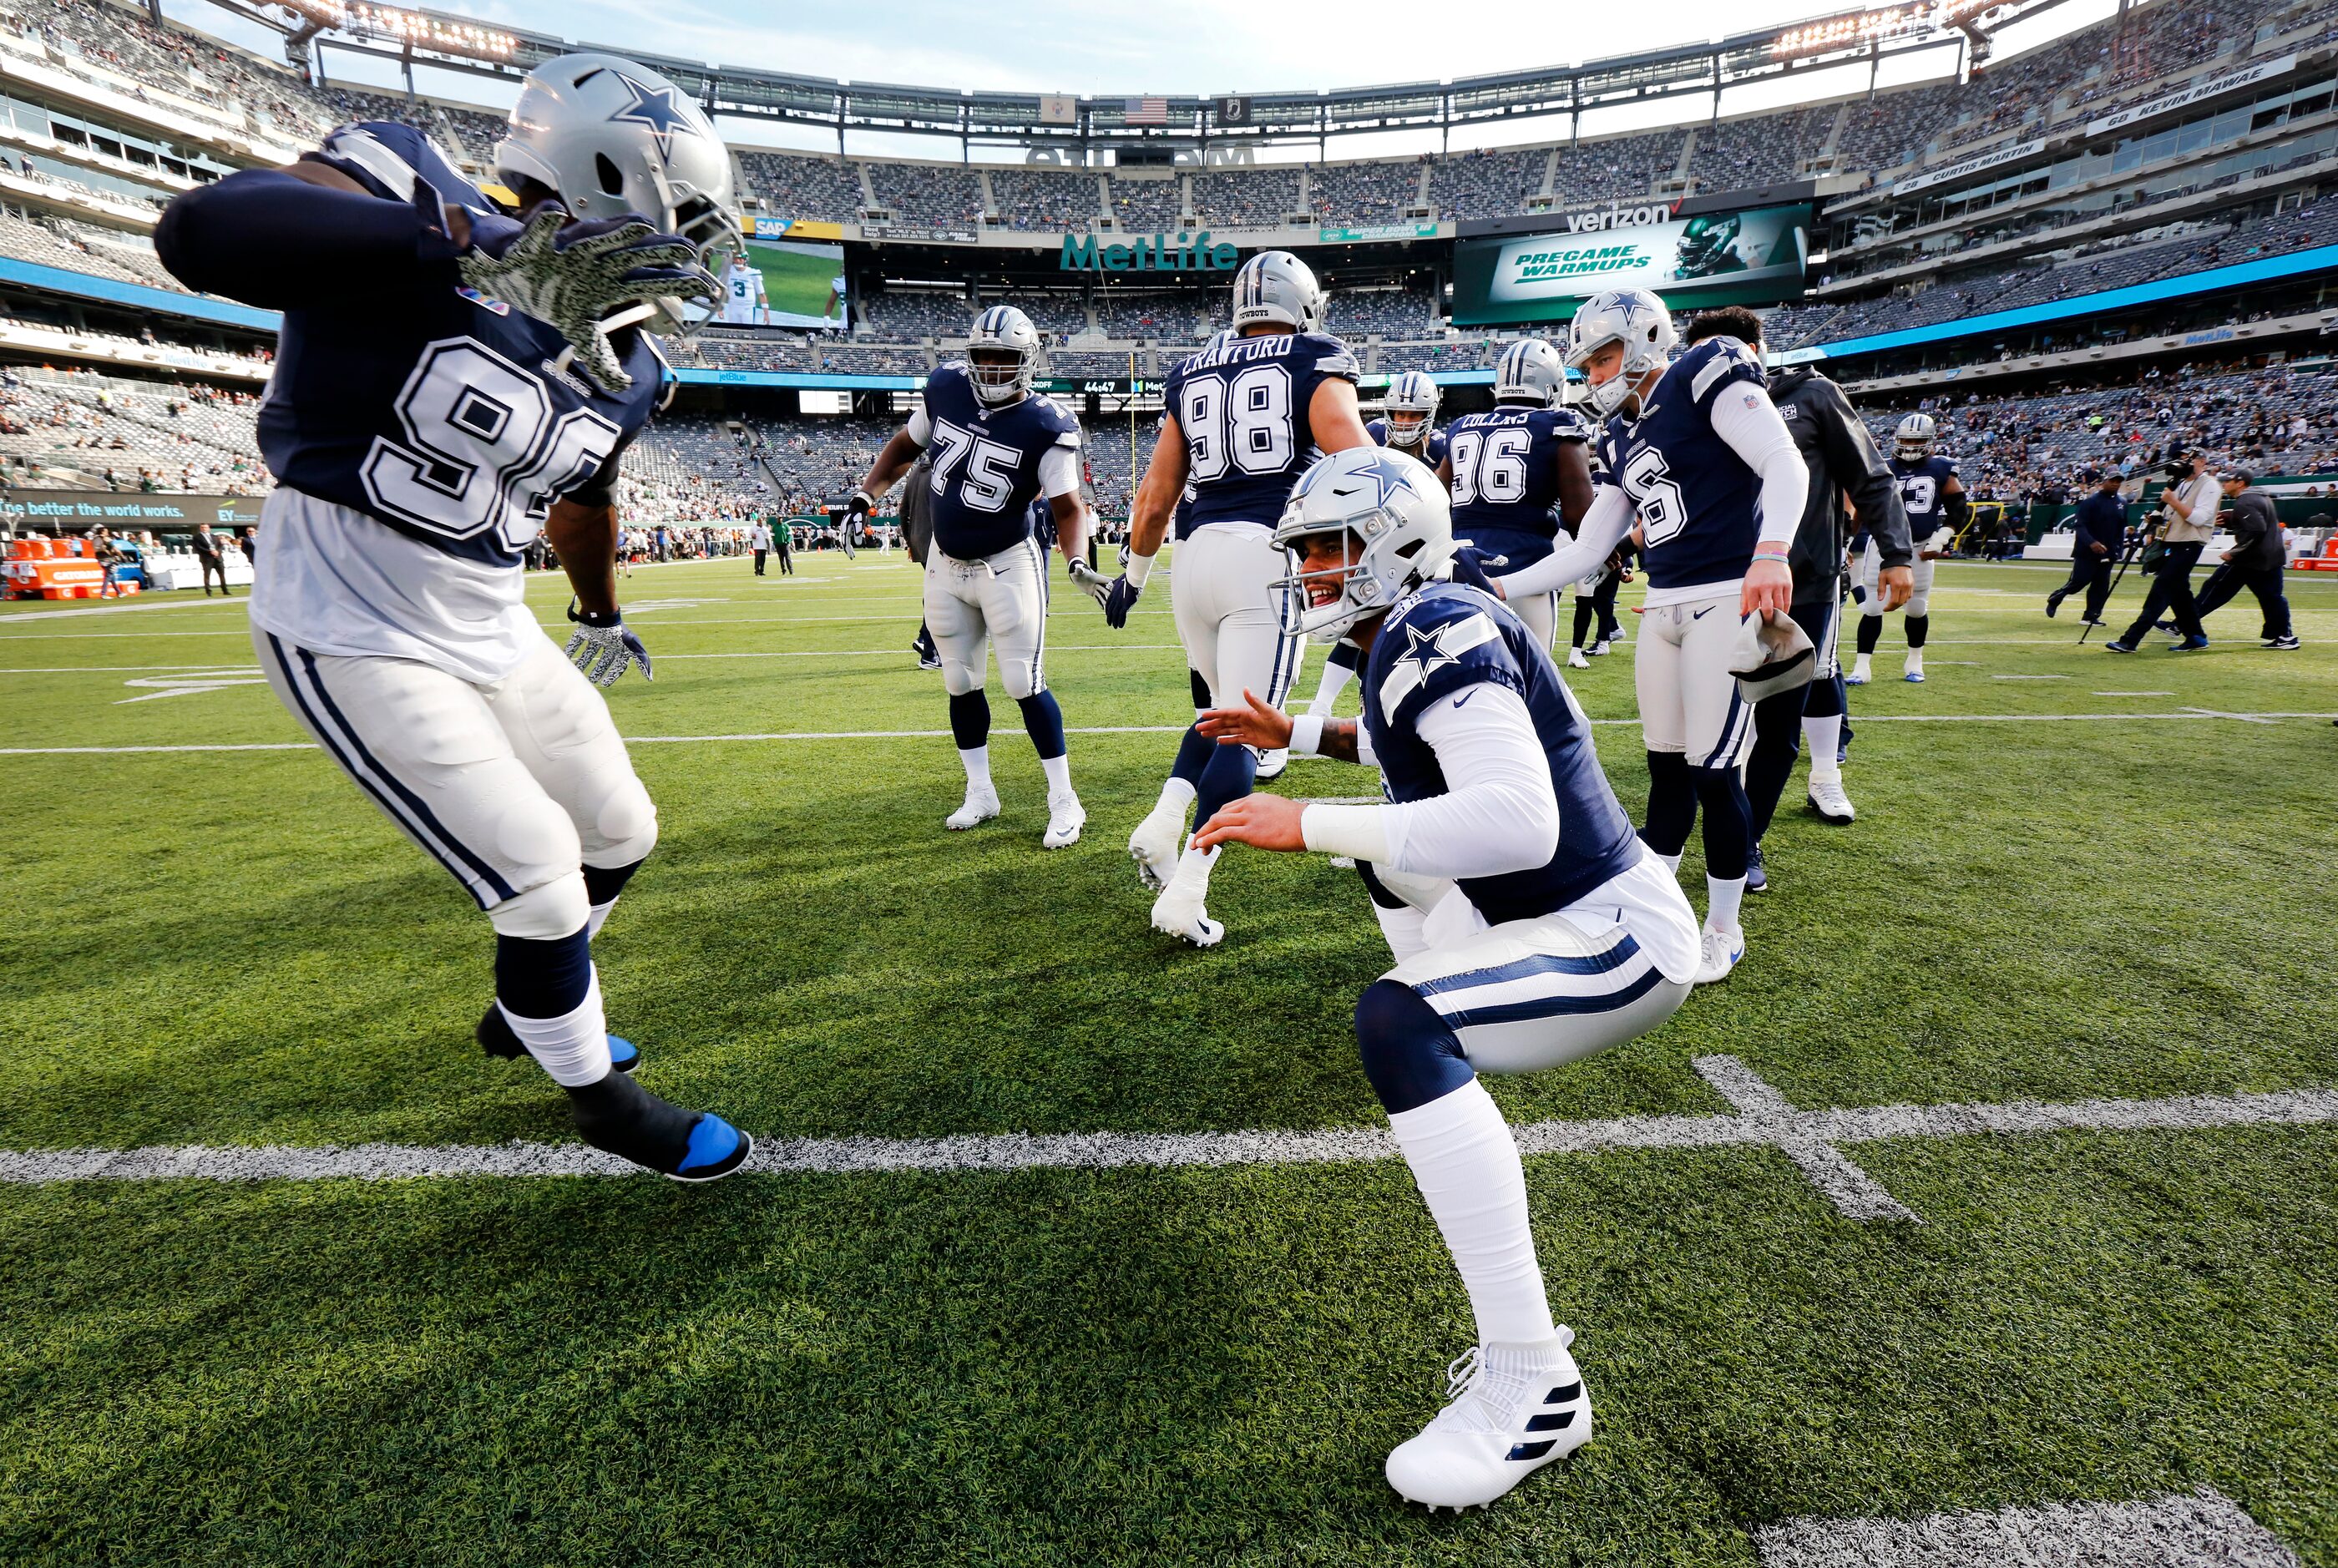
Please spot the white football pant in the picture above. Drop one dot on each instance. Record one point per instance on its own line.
(1870, 570)
(1688, 698)
(1221, 589)
(997, 599)
(513, 787)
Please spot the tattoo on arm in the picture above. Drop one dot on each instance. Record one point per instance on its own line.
(1339, 740)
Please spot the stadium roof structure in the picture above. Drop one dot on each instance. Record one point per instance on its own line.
(1873, 34)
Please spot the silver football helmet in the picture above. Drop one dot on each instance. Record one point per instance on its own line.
(1531, 371)
(1912, 441)
(613, 137)
(1276, 286)
(1411, 407)
(1634, 318)
(1002, 354)
(1399, 529)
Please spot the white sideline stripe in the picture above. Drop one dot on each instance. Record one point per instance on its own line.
(2194, 713)
(2204, 1529)
(1109, 1151)
(661, 658)
(1854, 1194)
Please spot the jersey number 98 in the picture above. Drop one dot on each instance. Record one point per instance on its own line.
(482, 448)
(1243, 423)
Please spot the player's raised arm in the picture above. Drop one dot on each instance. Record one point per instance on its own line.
(1603, 528)
(310, 236)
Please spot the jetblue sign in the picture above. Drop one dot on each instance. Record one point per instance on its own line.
(1153, 253)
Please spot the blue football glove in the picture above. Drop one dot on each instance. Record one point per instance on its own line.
(1469, 568)
(603, 646)
(573, 275)
(1119, 599)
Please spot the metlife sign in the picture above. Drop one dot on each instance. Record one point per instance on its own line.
(1712, 257)
(1152, 253)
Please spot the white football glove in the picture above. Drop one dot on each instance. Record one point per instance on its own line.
(1093, 583)
(603, 646)
(572, 276)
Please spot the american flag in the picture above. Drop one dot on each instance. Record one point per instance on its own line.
(1146, 111)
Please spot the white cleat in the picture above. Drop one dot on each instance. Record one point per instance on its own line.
(1154, 846)
(1600, 648)
(1512, 1412)
(1270, 764)
(981, 805)
(1721, 951)
(1178, 911)
(1860, 675)
(1915, 668)
(1576, 661)
(1830, 803)
(1065, 818)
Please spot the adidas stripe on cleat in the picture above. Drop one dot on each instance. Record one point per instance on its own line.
(1512, 1410)
(495, 1038)
(618, 1116)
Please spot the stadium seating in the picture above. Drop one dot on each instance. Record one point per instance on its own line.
(1031, 199)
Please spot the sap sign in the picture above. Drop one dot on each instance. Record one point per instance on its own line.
(1154, 253)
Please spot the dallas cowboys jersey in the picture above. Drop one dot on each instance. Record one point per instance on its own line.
(991, 462)
(438, 412)
(1444, 638)
(1242, 410)
(1430, 451)
(1699, 503)
(1923, 492)
(1506, 478)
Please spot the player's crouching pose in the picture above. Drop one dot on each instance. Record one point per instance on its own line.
(996, 445)
(1530, 927)
(448, 382)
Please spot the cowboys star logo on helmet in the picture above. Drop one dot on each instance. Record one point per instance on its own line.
(654, 107)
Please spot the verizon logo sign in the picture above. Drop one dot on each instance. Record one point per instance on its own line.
(1621, 218)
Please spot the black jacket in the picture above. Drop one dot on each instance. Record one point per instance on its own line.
(1843, 459)
(2256, 532)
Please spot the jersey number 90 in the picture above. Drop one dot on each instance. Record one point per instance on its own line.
(482, 449)
(1242, 423)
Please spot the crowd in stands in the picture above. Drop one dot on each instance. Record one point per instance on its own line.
(173, 67)
(933, 194)
(82, 430)
(1741, 154)
(1357, 313)
(1044, 199)
(1358, 193)
(801, 185)
(1142, 206)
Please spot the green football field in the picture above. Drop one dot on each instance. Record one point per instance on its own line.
(1010, 1286)
(796, 282)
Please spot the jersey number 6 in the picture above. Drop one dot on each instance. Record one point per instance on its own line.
(1649, 484)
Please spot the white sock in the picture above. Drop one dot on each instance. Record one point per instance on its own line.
(1176, 794)
(978, 767)
(1466, 1164)
(573, 1048)
(1059, 773)
(1195, 866)
(1672, 863)
(1916, 659)
(1859, 665)
(1336, 677)
(1724, 896)
(1824, 738)
(598, 918)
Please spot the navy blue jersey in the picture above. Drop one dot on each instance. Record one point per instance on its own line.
(1923, 492)
(987, 462)
(1430, 451)
(1444, 638)
(1699, 504)
(1506, 478)
(1043, 521)
(1242, 410)
(436, 410)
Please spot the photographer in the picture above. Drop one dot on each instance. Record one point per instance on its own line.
(2255, 561)
(2188, 520)
(2099, 525)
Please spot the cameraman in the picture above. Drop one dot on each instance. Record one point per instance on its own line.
(2188, 519)
(2255, 561)
(2100, 528)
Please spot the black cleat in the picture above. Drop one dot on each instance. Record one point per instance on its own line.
(620, 1117)
(1757, 876)
(495, 1038)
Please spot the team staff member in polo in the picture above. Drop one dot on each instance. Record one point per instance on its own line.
(2191, 506)
(2099, 525)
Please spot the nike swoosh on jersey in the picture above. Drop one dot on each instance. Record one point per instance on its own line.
(1463, 701)
(1700, 614)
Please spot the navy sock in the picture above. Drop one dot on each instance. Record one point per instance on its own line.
(1410, 1054)
(1919, 628)
(1194, 752)
(1871, 628)
(1727, 830)
(1672, 803)
(1042, 720)
(540, 979)
(602, 883)
(1231, 774)
(970, 721)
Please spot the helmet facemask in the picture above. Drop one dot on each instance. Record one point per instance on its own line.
(1406, 426)
(1001, 375)
(1325, 601)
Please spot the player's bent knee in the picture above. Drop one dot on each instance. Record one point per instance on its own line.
(1017, 677)
(625, 828)
(1409, 1054)
(959, 680)
(554, 909)
(533, 830)
(1918, 605)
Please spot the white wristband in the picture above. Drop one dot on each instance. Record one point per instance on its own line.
(1307, 735)
(1140, 567)
(1357, 832)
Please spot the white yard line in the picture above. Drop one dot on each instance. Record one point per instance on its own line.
(1783, 1129)
(2192, 715)
(2204, 1529)
(1854, 1194)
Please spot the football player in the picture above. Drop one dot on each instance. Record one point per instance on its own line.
(1529, 928)
(1519, 473)
(1937, 509)
(1244, 422)
(1408, 424)
(449, 383)
(996, 447)
(745, 301)
(1695, 448)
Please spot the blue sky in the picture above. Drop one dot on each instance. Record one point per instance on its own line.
(1109, 47)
